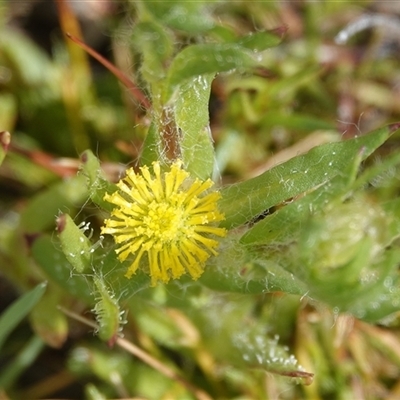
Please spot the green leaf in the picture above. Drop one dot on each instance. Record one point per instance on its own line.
(222, 33)
(108, 313)
(202, 59)
(371, 296)
(155, 43)
(258, 277)
(189, 16)
(341, 255)
(93, 393)
(106, 366)
(285, 223)
(187, 121)
(29, 174)
(260, 41)
(62, 196)
(284, 90)
(238, 270)
(278, 228)
(243, 345)
(259, 351)
(378, 301)
(16, 48)
(15, 313)
(153, 146)
(392, 208)
(98, 186)
(379, 171)
(211, 58)
(75, 245)
(156, 322)
(191, 117)
(49, 323)
(244, 201)
(56, 266)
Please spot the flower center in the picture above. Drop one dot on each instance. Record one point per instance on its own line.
(164, 223)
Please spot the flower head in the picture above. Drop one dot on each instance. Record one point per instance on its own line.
(168, 216)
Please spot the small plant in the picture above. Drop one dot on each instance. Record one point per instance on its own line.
(216, 282)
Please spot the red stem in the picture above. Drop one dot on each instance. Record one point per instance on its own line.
(123, 78)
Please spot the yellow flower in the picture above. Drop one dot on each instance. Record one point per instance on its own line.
(168, 216)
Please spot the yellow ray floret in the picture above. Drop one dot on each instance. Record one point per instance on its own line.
(165, 218)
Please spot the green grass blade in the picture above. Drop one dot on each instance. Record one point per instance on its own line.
(17, 311)
(25, 357)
